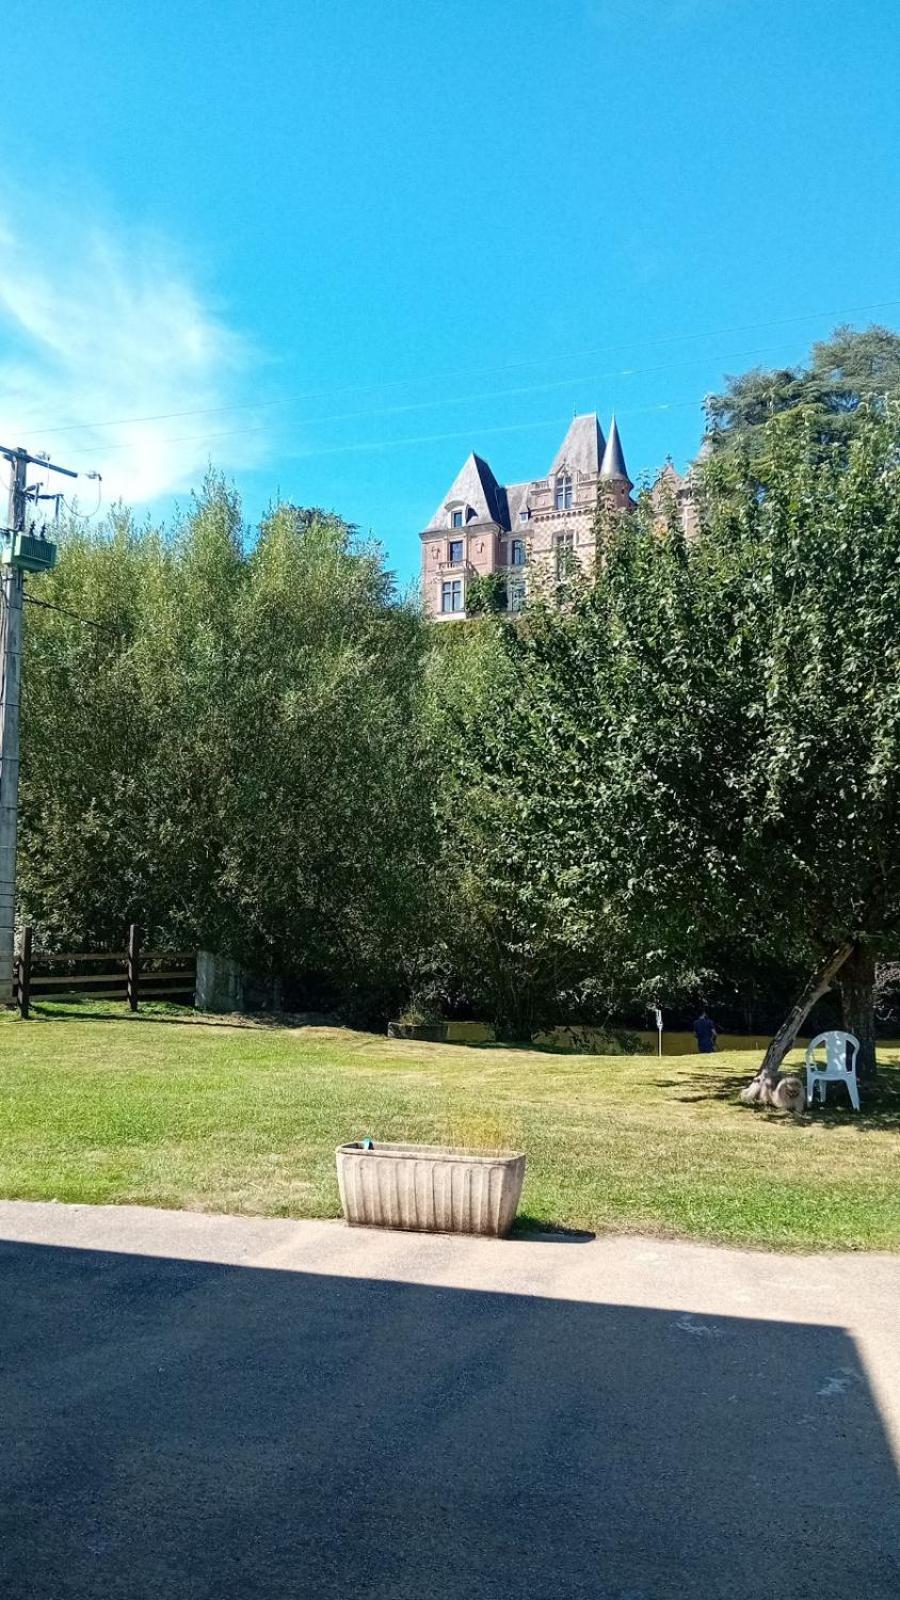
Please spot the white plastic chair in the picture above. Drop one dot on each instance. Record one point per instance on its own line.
(841, 1051)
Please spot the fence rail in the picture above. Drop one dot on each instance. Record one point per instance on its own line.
(135, 979)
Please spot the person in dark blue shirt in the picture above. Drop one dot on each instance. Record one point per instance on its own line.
(705, 1030)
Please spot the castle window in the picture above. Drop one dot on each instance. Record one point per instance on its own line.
(564, 493)
(451, 595)
(517, 552)
(455, 550)
(515, 595)
(456, 520)
(523, 514)
(565, 553)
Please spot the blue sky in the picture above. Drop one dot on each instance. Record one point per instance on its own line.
(349, 242)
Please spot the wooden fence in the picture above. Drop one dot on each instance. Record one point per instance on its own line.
(133, 974)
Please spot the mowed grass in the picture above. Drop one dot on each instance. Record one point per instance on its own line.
(168, 1111)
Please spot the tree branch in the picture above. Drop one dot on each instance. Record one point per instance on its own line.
(819, 980)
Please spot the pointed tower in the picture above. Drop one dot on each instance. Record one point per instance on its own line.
(614, 479)
(613, 467)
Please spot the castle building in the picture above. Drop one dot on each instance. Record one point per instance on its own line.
(522, 529)
(674, 493)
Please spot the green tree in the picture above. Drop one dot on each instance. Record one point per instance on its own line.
(850, 370)
(700, 749)
(487, 593)
(589, 819)
(231, 752)
(819, 554)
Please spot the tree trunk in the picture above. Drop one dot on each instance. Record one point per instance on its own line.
(820, 980)
(857, 988)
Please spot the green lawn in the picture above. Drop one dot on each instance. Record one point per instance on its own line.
(165, 1110)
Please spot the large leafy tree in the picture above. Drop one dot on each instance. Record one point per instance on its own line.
(703, 747)
(593, 843)
(227, 750)
(819, 555)
(852, 370)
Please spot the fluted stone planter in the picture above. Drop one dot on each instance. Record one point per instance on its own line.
(429, 1188)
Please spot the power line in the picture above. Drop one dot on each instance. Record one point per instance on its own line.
(89, 622)
(449, 400)
(86, 516)
(435, 404)
(529, 361)
(466, 433)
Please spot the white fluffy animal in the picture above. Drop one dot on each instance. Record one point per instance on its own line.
(786, 1094)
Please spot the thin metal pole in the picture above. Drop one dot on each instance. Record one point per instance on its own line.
(11, 609)
(133, 962)
(24, 985)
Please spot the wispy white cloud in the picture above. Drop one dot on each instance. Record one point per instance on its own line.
(102, 327)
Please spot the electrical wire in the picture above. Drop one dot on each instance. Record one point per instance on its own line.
(529, 361)
(449, 400)
(86, 516)
(466, 433)
(429, 405)
(88, 622)
(429, 438)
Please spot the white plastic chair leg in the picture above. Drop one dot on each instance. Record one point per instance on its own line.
(853, 1087)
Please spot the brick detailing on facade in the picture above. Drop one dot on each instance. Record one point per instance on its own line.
(538, 528)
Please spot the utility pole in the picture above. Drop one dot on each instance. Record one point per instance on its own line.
(21, 551)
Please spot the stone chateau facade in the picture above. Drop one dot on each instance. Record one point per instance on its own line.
(521, 529)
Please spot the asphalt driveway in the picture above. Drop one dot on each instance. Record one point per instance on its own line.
(213, 1407)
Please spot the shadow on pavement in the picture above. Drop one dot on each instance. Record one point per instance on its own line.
(183, 1429)
(537, 1230)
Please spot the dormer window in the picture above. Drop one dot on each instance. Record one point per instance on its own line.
(456, 519)
(564, 492)
(523, 515)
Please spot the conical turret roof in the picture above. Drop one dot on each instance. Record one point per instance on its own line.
(613, 458)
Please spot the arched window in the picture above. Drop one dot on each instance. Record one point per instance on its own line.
(564, 492)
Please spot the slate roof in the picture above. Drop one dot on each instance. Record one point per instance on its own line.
(476, 486)
(516, 501)
(582, 448)
(613, 457)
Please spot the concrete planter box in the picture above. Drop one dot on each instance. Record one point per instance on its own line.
(429, 1188)
(434, 1032)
